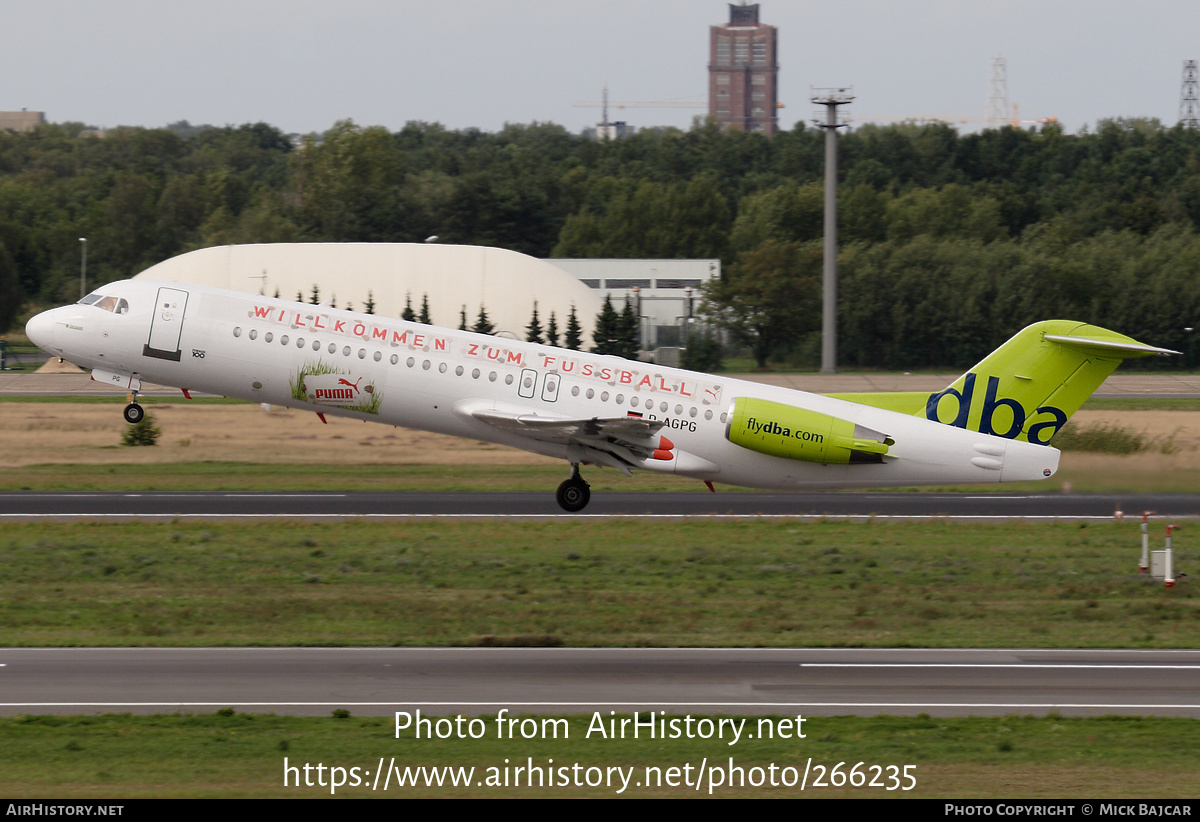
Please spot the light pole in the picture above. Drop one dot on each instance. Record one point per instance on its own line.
(1191, 359)
(83, 269)
(831, 98)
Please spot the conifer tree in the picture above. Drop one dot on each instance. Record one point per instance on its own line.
(482, 324)
(370, 309)
(608, 330)
(408, 314)
(628, 332)
(462, 323)
(574, 333)
(316, 295)
(533, 332)
(552, 331)
(424, 316)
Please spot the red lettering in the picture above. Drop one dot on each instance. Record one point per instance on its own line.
(683, 389)
(297, 320)
(360, 330)
(418, 340)
(439, 345)
(605, 374)
(340, 326)
(317, 323)
(473, 349)
(399, 338)
(378, 333)
(646, 381)
(262, 311)
(514, 356)
(626, 377)
(495, 354)
(546, 361)
(282, 314)
(587, 370)
(567, 366)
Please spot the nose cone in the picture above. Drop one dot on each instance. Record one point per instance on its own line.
(40, 330)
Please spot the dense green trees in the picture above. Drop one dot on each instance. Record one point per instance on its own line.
(949, 242)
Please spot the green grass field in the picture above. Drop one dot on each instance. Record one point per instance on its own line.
(238, 755)
(578, 583)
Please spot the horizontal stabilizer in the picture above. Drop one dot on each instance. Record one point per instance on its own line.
(1123, 347)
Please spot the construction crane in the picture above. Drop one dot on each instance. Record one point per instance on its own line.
(949, 119)
(677, 102)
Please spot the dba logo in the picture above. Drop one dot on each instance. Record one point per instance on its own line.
(1039, 433)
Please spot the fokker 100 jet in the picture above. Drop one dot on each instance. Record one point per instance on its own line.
(994, 424)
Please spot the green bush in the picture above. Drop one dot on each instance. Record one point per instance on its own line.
(144, 432)
(1111, 439)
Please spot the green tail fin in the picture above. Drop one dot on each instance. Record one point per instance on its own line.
(1027, 388)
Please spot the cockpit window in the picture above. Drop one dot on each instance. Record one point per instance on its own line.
(117, 305)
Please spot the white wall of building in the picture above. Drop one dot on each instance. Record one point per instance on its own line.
(505, 282)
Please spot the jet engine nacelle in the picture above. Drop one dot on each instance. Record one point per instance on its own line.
(800, 434)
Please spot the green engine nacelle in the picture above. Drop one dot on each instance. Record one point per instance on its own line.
(799, 434)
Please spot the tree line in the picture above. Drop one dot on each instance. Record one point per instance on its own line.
(950, 242)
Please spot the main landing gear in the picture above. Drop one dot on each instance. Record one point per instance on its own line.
(573, 495)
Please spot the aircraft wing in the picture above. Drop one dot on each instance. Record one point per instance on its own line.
(621, 442)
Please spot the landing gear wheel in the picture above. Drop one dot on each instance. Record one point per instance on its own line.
(573, 495)
(134, 413)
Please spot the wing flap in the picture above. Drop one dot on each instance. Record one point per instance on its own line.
(620, 441)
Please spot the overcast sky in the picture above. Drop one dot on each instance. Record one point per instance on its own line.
(301, 65)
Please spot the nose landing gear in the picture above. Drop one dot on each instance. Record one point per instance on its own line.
(573, 495)
(133, 412)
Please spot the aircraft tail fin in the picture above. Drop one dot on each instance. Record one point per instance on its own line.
(1027, 388)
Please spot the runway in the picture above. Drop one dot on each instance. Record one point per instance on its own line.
(911, 505)
(447, 681)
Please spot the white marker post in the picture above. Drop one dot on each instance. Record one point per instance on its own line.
(1169, 581)
(1144, 565)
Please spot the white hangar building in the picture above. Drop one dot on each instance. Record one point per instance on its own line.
(505, 283)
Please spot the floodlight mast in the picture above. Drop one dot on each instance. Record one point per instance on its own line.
(831, 98)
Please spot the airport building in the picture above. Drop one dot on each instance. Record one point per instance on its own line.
(22, 120)
(454, 278)
(665, 294)
(743, 72)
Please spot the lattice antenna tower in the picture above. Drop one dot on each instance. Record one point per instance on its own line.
(1189, 96)
(998, 98)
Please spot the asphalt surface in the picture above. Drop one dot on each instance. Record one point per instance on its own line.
(447, 681)
(920, 505)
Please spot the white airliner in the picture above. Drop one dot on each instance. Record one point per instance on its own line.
(992, 425)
